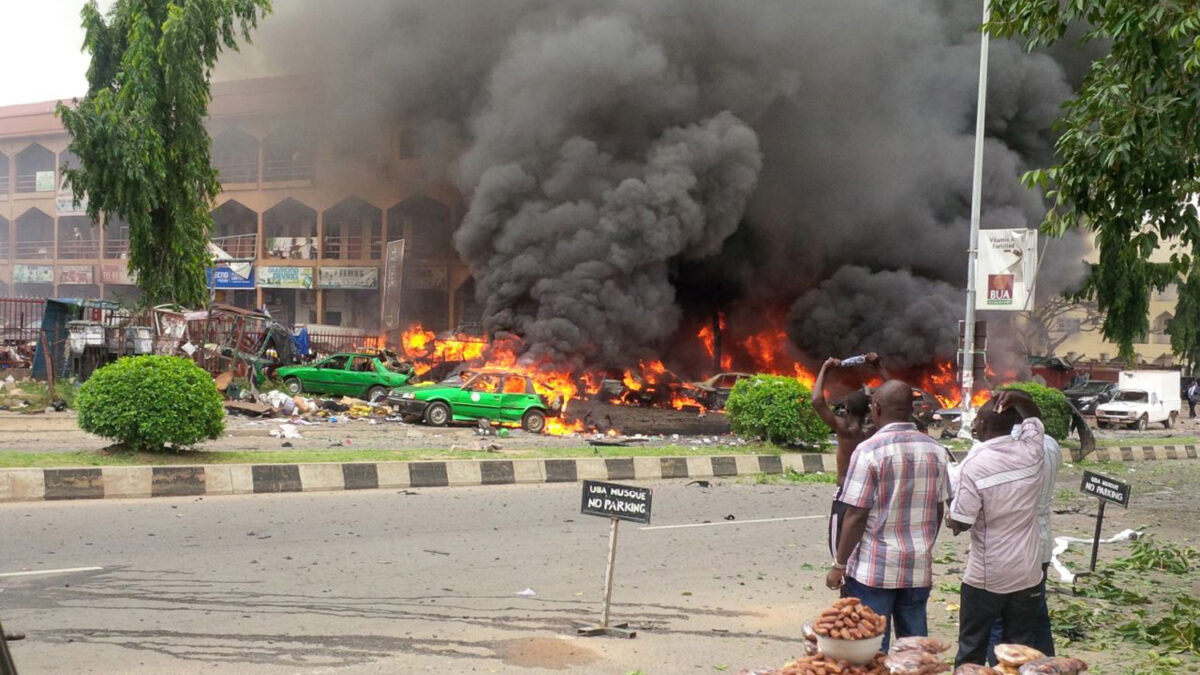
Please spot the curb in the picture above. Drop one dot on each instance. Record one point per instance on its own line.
(116, 482)
(1126, 453)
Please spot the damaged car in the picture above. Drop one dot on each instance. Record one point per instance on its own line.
(359, 375)
(714, 391)
(499, 396)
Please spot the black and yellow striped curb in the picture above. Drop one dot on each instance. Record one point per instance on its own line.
(110, 482)
(1127, 453)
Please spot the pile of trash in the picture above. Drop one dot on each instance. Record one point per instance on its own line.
(281, 404)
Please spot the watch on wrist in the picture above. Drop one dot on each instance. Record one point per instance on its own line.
(838, 566)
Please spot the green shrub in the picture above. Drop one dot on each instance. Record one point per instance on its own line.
(1056, 413)
(775, 408)
(151, 402)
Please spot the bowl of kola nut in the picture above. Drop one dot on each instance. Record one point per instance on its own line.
(850, 631)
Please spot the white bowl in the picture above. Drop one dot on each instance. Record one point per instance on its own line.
(858, 652)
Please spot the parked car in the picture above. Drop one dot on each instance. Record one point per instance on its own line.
(360, 375)
(714, 391)
(1144, 398)
(497, 395)
(1086, 396)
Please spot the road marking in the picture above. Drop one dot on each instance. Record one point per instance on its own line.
(730, 522)
(62, 571)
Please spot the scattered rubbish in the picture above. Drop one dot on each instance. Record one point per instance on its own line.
(252, 409)
(427, 550)
(336, 444)
(527, 593)
(730, 517)
(503, 432)
(286, 444)
(704, 484)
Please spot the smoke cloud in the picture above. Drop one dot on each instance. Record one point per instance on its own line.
(632, 166)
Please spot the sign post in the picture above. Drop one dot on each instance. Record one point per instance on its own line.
(1106, 490)
(617, 503)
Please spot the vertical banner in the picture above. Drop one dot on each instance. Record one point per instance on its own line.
(393, 275)
(1005, 270)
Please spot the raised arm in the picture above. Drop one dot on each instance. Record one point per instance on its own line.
(818, 396)
(875, 362)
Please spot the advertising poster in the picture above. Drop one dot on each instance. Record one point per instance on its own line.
(362, 278)
(1005, 270)
(285, 277)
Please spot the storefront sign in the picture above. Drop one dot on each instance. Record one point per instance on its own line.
(231, 277)
(64, 201)
(1005, 270)
(116, 275)
(43, 181)
(33, 274)
(285, 277)
(292, 248)
(611, 500)
(393, 276)
(429, 278)
(348, 277)
(76, 274)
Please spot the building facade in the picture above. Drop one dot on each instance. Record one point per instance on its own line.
(313, 209)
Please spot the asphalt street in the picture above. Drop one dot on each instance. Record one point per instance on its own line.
(412, 581)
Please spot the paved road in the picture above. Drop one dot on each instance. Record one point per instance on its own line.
(410, 581)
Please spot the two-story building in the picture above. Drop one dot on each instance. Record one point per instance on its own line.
(313, 208)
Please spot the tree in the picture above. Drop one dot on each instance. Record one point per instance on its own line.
(1185, 327)
(139, 133)
(1129, 147)
(1040, 333)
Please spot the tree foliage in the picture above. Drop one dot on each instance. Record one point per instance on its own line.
(1129, 145)
(140, 135)
(777, 409)
(1056, 412)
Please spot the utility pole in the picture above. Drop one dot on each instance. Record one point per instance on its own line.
(968, 345)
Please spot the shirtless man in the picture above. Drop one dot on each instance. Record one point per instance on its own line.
(853, 428)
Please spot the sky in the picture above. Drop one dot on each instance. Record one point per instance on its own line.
(42, 51)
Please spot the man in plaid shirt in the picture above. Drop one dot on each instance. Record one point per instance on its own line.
(895, 492)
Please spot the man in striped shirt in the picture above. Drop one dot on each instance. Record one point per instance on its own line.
(894, 492)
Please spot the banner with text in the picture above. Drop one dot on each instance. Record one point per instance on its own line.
(285, 277)
(393, 276)
(363, 278)
(1005, 270)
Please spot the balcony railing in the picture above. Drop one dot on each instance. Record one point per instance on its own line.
(233, 171)
(352, 247)
(27, 182)
(76, 249)
(117, 249)
(287, 169)
(238, 245)
(28, 250)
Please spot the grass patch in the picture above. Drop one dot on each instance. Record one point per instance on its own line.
(117, 458)
(1137, 442)
(794, 476)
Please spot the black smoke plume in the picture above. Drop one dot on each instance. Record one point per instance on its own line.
(633, 166)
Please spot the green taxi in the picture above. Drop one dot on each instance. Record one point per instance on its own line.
(359, 375)
(497, 395)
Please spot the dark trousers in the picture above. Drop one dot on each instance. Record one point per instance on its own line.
(1043, 637)
(979, 610)
(1191, 408)
(903, 607)
(837, 517)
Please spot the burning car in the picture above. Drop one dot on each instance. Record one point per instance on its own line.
(714, 391)
(1087, 396)
(503, 396)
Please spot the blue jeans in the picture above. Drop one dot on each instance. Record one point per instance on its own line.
(903, 607)
(1043, 638)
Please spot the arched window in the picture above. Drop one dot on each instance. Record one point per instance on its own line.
(288, 155)
(3, 174)
(290, 231)
(235, 155)
(235, 229)
(78, 238)
(4, 249)
(424, 223)
(353, 231)
(33, 165)
(35, 235)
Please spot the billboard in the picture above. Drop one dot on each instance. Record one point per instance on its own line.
(1005, 270)
(363, 278)
(393, 276)
(232, 276)
(285, 277)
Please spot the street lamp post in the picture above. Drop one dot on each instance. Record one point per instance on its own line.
(968, 344)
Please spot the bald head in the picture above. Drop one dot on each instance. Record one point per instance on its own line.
(893, 402)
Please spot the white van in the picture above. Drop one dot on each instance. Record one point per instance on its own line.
(1144, 397)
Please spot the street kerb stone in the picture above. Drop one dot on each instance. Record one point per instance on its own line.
(672, 467)
(322, 477)
(179, 481)
(22, 485)
(74, 483)
(463, 472)
(560, 471)
(770, 464)
(276, 478)
(620, 468)
(128, 481)
(747, 465)
(591, 469)
(393, 474)
(360, 475)
(647, 468)
(241, 479)
(699, 467)
(497, 472)
(428, 474)
(529, 471)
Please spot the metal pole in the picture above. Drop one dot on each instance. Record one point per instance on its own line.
(968, 369)
(608, 571)
(1096, 537)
